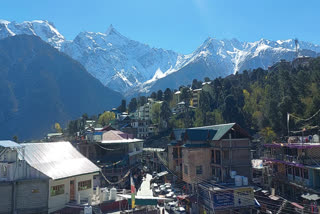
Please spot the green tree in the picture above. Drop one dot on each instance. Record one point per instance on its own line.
(106, 117)
(132, 107)
(58, 127)
(167, 95)
(155, 113)
(15, 138)
(165, 113)
(142, 100)
(123, 106)
(159, 95)
(153, 95)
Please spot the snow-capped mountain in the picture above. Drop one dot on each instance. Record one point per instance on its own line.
(118, 62)
(132, 67)
(216, 58)
(45, 30)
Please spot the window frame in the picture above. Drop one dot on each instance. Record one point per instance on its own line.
(84, 185)
(57, 190)
(199, 170)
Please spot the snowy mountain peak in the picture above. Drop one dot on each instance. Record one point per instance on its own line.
(44, 29)
(112, 31)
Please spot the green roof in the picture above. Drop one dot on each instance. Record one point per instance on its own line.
(221, 129)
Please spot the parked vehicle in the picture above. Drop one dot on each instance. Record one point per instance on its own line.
(170, 206)
(179, 210)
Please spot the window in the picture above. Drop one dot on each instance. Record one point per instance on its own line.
(212, 156)
(289, 170)
(175, 153)
(57, 190)
(198, 170)
(226, 155)
(218, 161)
(83, 185)
(213, 169)
(305, 174)
(185, 169)
(297, 171)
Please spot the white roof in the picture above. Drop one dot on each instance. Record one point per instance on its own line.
(9, 144)
(58, 160)
(124, 141)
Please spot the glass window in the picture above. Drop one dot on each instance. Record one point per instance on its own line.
(185, 169)
(213, 169)
(198, 170)
(218, 161)
(212, 156)
(57, 190)
(83, 185)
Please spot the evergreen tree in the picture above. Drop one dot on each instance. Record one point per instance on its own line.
(159, 95)
(132, 107)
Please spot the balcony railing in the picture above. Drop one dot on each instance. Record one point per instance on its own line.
(294, 159)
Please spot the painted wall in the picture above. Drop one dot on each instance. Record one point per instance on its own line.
(58, 202)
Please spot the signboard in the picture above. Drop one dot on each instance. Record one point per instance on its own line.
(243, 197)
(223, 199)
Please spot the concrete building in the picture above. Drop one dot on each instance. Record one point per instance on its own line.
(196, 97)
(115, 153)
(43, 177)
(293, 169)
(210, 152)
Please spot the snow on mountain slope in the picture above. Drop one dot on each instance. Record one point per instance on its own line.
(215, 58)
(45, 30)
(132, 67)
(118, 62)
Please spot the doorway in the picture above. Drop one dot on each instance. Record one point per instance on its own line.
(72, 190)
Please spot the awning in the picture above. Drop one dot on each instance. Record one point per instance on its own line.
(310, 197)
(297, 205)
(162, 173)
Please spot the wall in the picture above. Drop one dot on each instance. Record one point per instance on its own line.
(32, 196)
(58, 202)
(6, 197)
(196, 157)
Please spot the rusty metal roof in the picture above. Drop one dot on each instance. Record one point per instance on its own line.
(58, 160)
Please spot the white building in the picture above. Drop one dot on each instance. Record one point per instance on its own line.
(64, 171)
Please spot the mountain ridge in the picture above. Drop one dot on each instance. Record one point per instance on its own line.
(131, 67)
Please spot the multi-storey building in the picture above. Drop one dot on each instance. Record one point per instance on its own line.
(294, 167)
(210, 152)
(196, 97)
(213, 154)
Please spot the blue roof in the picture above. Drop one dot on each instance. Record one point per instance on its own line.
(9, 144)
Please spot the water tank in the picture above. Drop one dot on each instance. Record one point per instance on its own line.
(238, 180)
(245, 181)
(315, 138)
(87, 210)
(106, 195)
(233, 174)
(113, 194)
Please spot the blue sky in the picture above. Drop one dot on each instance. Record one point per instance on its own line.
(180, 25)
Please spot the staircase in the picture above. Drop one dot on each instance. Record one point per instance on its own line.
(283, 205)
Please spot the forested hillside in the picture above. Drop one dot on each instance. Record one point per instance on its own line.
(258, 100)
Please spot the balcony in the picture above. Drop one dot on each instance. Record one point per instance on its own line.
(305, 160)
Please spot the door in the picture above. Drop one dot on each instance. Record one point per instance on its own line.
(72, 190)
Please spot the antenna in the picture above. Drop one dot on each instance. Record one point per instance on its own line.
(296, 42)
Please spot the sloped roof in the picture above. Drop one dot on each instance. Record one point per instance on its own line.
(200, 134)
(221, 129)
(116, 136)
(58, 160)
(9, 144)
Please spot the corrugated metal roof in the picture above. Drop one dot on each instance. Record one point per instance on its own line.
(200, 134)
(58, 160)
(9, 144)
(221, 129)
